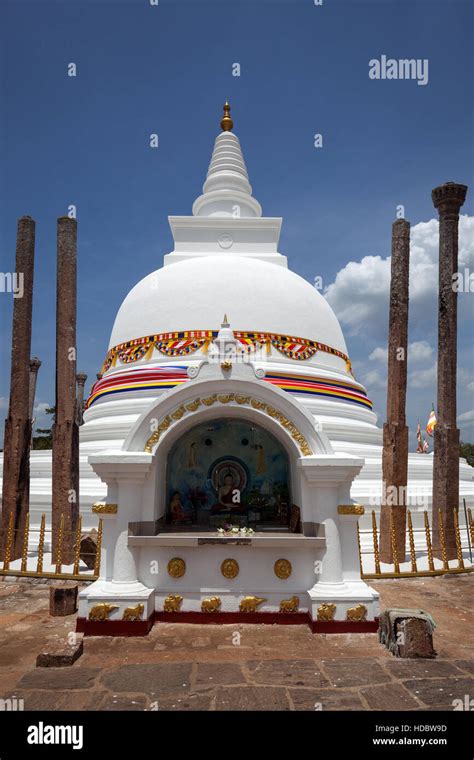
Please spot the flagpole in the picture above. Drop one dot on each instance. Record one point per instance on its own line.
(467, 529)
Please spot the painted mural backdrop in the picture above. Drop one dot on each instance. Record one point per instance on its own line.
(228, 471)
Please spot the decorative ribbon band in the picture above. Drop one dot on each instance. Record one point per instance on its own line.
(164, 378)
(318, 386)
(187, 342)
(159, 378)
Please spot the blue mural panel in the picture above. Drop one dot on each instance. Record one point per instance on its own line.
(228, 471)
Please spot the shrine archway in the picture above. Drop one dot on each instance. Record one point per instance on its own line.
(169, 418)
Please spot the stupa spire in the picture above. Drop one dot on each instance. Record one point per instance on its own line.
(226, 121)
(227, 191)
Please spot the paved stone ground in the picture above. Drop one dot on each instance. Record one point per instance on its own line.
(200, 667)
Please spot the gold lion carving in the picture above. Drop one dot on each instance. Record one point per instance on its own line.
(326, 612)
(172, 603)
(290, 605)
(357, 613)
(211, 605)
(133, 613)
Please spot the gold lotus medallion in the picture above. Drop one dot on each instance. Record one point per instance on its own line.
(230, 568)
(176, 567)
(282, 568)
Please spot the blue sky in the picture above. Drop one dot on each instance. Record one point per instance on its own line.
(167, 69)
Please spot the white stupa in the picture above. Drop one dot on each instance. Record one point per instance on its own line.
(199, 419)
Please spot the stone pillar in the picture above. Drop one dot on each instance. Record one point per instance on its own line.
(395, 431)
(35, 364)
(448, 199)
(16, 463)
(81, 381)
(65, 428)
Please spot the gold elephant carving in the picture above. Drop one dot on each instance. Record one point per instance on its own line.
(250, 603)
(100, 612)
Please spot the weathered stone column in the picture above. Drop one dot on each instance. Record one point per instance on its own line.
(35, 364)
(395, 431)
(448, 199)
(65, 428)
(81, 381)
(16, 462)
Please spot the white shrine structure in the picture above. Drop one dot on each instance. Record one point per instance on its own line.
(223, 423)
(252, 419)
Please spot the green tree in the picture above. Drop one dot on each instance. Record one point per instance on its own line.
(43, 438)
(466, 450)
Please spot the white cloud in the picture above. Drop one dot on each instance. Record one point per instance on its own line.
(40, 408)
(467, 417)
(379, 354)
(423, 378)
(419, 350)
(375, 379)
(360, 292)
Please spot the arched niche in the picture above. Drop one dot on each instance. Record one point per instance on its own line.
(227, 470)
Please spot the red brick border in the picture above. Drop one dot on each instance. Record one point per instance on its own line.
(143, 627)
(114, 627)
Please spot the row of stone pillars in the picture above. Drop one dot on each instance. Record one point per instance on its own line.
(24, 372)
(448, 200)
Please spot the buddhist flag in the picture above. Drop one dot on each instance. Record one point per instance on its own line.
(419, 448)
(431, 424)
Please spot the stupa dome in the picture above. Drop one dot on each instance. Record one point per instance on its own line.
(256, 296)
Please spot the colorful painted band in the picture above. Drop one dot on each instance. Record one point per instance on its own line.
(317, 386)
(164, 378)
(157, 379)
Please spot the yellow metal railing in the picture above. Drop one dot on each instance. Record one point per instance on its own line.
(57, 561)
(415, 571)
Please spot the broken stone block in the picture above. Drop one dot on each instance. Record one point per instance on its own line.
(415, 638)
(63, 599)
(61, 654)
(89, 548)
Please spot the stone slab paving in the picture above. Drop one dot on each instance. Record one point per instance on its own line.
(239, 667)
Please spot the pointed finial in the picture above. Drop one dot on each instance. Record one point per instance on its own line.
(225, 322)
(226, 121)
